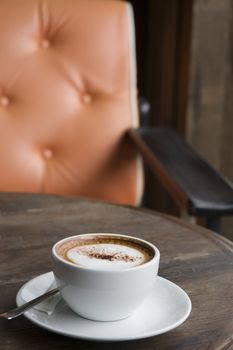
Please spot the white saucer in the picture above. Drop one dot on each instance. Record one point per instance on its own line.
(165, 309)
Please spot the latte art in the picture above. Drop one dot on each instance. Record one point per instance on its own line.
(104, 252)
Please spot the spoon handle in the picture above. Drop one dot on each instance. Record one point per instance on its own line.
(23, 308)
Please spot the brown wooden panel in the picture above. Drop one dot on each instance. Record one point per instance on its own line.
(163, 37)
(161, 59)
(182, 66)
(163, 31)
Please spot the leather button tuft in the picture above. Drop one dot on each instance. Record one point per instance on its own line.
(48, 153)
(45, 43)
(4, 101)
(87, 99)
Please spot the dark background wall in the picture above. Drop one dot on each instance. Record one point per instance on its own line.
(185, 70)
(163, 38)
(209, 121)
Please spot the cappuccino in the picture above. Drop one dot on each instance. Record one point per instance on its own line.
(104, 252)
(105, 276)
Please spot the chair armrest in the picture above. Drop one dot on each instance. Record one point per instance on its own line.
(193, 183)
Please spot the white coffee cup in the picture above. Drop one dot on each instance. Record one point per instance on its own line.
(105, 294)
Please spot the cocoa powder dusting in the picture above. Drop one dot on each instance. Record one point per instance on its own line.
(111, 257)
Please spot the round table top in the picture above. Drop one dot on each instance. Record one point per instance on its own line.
(198, 260)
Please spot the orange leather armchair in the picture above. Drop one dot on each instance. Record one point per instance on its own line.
(68, 97)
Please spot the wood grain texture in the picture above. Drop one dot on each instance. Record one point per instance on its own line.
(198, 260)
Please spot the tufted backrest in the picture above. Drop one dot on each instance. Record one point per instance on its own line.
(67, 96)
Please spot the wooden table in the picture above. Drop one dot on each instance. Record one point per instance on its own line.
(198, 260)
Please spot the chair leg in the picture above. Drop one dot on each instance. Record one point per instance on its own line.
(213, 223)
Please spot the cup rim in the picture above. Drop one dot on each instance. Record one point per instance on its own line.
(137, 267)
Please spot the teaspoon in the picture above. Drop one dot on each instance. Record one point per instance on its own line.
(23, 308)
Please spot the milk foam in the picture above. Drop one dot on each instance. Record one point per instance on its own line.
(106, 256)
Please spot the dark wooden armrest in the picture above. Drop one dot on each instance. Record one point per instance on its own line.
(193, 184)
